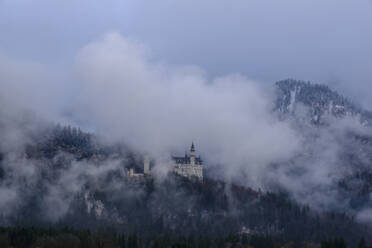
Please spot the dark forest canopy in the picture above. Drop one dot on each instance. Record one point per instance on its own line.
(24, 237)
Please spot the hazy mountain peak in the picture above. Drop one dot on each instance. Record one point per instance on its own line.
(319, 101)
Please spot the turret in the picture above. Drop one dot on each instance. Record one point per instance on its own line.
(192, 154)
(146, 165)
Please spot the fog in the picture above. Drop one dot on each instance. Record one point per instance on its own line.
(127, 96)
(158, 76)
(158, 108)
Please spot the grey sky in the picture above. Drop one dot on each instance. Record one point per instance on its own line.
(328, 41)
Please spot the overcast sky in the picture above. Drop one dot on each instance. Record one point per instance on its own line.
(326, 41)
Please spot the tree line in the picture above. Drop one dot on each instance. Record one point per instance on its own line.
(39, 237)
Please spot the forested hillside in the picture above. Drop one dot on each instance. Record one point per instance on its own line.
(63, 177)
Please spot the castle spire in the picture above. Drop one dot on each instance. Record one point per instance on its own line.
(192, 154)
(192, 147)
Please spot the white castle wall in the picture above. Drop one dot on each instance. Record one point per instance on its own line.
(189, 171)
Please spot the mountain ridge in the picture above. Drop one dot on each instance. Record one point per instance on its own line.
(320, 99)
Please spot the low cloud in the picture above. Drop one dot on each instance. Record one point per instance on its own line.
(157, 108)
(127, 96)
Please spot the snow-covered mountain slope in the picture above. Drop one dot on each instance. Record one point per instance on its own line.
(316, 102)
(336, 143)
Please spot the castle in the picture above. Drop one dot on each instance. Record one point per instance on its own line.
(188, 166)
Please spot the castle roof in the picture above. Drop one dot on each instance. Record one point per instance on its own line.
(187, 159)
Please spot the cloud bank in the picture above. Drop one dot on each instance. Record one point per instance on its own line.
(126, 95)
(157, 108)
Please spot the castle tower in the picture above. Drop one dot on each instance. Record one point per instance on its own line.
(192, 154)
(189, 166)
(146, 165)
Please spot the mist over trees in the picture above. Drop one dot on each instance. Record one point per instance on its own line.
(101, 197)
